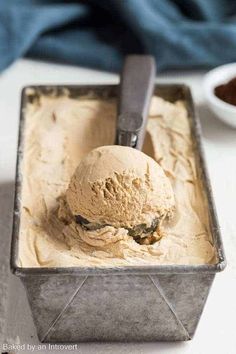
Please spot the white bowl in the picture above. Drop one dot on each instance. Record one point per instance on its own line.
(220, 75)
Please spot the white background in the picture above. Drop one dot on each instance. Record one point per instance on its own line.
(217, 329)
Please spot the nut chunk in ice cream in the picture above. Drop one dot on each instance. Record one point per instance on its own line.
(120, 186)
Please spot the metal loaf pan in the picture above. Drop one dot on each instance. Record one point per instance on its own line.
(133, 303)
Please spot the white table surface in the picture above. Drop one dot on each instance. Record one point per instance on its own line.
(217, 329)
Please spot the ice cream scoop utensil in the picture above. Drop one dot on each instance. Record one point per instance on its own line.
(136, 89)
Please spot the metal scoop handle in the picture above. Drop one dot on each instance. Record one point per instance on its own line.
(136, 89)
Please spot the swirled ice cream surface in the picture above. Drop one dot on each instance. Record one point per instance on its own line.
(58, 133)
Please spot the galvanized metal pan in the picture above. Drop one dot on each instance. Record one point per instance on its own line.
(130, 303)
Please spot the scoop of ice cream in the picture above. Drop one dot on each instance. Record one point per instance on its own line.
(119, 186)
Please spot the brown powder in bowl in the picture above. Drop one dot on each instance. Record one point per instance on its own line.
(227, 92)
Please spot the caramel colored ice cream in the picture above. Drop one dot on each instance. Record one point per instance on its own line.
(59, 133)
(120, 186)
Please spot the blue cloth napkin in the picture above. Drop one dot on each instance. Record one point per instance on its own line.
(181, 34)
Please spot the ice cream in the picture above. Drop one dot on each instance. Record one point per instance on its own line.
(121, 187)
(59, 133)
